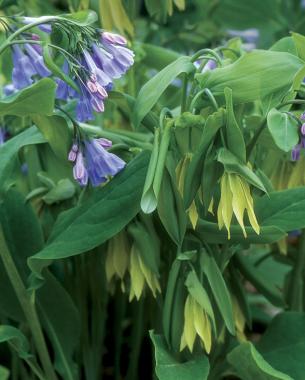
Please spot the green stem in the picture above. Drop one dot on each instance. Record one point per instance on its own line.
(28, 308)
(295, 296)
(255, 138)
(23, 29)
(184, 93)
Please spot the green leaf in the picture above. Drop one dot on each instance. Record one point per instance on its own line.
(17, 340)
(56, 131)
(4, 373)
(154, 88)
(250, 365)
(235, 139)
(82, 18)
(198, 292)
(35, 99)
(299, 42)
(283, 128)
(64, 189)
(210, 233)
(103, 215)
(168, 368)
(283, 209)
(233, 165)
(283, 344)
(9, 150)
(254, 76)
(219, 289)
(60, 319)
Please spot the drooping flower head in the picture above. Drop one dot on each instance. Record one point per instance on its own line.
(92, 161)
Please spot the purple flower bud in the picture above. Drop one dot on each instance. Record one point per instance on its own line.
(303, 129)
(80, 172)
(105, 143)
(72, 155)
(38, 61)
(210, 65)
(97, 104)
(2, 136)
(295, 153)
(112, 38)
(9, 89)
(302, 117)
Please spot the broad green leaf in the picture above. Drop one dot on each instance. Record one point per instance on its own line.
(299, 42)
(9, 150)
(283, 344)
(283, 128)
(282, 209)
(56, 131)
(285, 44)
(154, 88)
(168, 368)
(35, 99)
(233, 165)
(219, 289)
(198, 292)
(210, 233)
(250, 365)
(103, 215)
(235, 139)
(255, 76)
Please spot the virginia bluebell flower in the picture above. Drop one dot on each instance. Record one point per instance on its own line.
(47, 28)
(37, 61)
(295, 153)
(23, 69)
(93, 162)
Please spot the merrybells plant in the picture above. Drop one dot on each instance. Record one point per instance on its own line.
(144, 216)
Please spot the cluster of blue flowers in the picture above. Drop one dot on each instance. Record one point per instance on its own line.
(93, 162)
(93, 67)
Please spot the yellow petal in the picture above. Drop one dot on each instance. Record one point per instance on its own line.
(136, 275)
(109, 267)
(239, 200)
(189, 329)
(225, 209)
(250, 209)
(121, 254)
(193, 215)
(150, 277)
(202, 326)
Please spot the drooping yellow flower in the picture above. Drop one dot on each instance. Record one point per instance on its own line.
(117, 259)
(140, 275)
(235, 198)
(196, 322)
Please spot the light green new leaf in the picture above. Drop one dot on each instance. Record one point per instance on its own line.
(168, 368)
(64, 189)
(299, 42)
(4, 373)
(235, 139)
(250, 365)
(254, 76)
(219, 289)
(103, 215)
(283, 129)
(283, 209)
(233, 165)
(154, 88)
(35, 99)
(82, 18)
